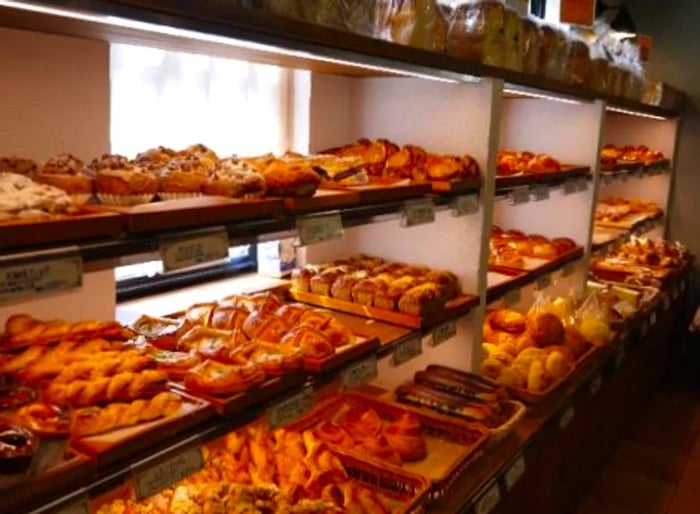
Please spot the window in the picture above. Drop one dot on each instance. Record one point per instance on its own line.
(176, 99)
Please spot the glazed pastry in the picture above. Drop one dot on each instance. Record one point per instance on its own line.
(332, 433)
(301, 278)
(546, 329)
(338, 334)
(68, 173)
(310, 341)
(290, 180)
(274, 359)
(43, 419)
(406, 163)
(119, 182)
(104, 367)
(316, 318)
(264, 303)
(23, 329)
(322, 283)
(219, 379)
(200, 313)
(389, 298)
(228, 318)
(405, 435)
(343, 285)
(183, 177)
(291, 313)
(176, 364)
(267, 328)
(162, 333)
(222, 349)
(508, 320)
(234, 179)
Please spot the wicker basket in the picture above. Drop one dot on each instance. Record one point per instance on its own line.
(498, 434)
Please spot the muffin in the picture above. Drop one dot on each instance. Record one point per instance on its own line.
(183, 177)
(120, 182)
(18, 166)
(69, 173)
(206, 154)
(235, 179)
(159, 155)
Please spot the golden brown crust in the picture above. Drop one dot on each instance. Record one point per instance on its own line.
(546, 329)
(219, 379)
(290, 180)
(421, 299)
(508, 320)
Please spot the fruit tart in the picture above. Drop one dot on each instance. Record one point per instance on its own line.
(68, 173)
(235, 179)
(119, 182)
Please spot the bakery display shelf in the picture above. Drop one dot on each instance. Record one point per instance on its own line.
(611, 237)
(622, 168)
(451, 309)
(215, 28)
(522, 278)
(376, 193)
(505, 184)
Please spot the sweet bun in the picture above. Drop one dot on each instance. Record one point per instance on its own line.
(509, 321)
(546, 329)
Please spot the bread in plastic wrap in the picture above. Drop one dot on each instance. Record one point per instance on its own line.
(476, 32)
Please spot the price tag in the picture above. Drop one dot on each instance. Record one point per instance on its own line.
(595, 384)
(359, 373)
(46, 273)
(568, 269)
(625, 175)
(408, 350)
(418, 212)
(465, 205)
(515, 472)
(582, 184)
(543, 282)
(540, 192)
(608, 179)
(290, 409)
(570, 187)
(183, 253)
(620, 358)
(566, 418)
(489, 500)
(652, 319)
(511, 298)
(444, 332)
(316, 229)
(155, 478)
(519, 195)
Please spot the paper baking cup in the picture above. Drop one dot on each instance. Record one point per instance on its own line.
(124, 200)
(177, 196)
(81, 199)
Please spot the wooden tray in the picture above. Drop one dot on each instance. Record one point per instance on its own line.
(323, 200)
(452, 309)
(379, 192)
(363, 346)
(92, 223)
(231, 405)
(124, 443)
(452, 445)
(465, 185)
(526, 179)
(629, 222)
(192, 212)
(538, 266)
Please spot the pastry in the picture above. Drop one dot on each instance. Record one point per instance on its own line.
(99, 366)
(343, 285)
(268, 328)
(389, 298)
(406, 163)
(19, 166)
(264, 303)
(119, 182)
(228, 317)
(312, 342)
(219, 379)
(183, 177)
(162, 333)
(421, 299)
(322, 283)
(15, 396)
(43, 419)
(32, 331)
(315, 318)
(405, 435)
(200, 313)
(338, 334)
(301, 278)
(68, 173)
(234, 179)
(508, 320)
(291, 313)
(274, 359)
(222, 349)
(201, 152)
(176, 364)
(290, 180)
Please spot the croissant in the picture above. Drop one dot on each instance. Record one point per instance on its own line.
(228, 317)
(268, 328)
(315, 318)
(310, 341)
(96, 420)
(292, 312)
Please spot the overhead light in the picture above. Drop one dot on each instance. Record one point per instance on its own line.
(635, 113)
(153, 28)
(541, 96)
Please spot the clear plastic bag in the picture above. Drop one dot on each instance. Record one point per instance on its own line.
(531, 48)
(476, 32)
(555, 52)
(593, 321)
(578, 62)
(513, 29)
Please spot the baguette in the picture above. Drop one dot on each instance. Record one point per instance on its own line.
(444, 403)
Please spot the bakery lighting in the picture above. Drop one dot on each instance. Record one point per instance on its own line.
(539, 96)
(635, 113)
(164, 30)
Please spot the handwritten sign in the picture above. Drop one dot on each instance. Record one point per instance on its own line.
(540, 192)
(359, 373)
(187, 252)
(443, 333)
(153, 479)
(515, 472)
(35, 275)
(418, 212)
(316, 229)
(290, 409)
(567, 417)
(489, 500)
(408, 350)
(519, 195)
(465, 205)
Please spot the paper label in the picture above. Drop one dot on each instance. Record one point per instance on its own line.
(316, 229)
(184, 253)
(290, 409)
(443, 332)
(511, 298)
(152, 480)
(408, 350)
(582, 184)
(418, 212)
(566, 418)
(359, 373)
(489, 500)
(577, 12)
(465, 205)
(515, 472)
(595, 384)
(543, 282)
(540, 192)
(570, 186)
(519, 195)
(40, 275)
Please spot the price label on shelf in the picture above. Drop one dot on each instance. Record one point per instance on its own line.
(608, 179)
(153, 479)
(582, 184)
(187, 252)
(570, 186)
(567, 417)
(515, 472)
(540, 192)
(418, 212)
(519, 195)
(636, 172)
(543, 282)
(620, 358)
(317, 229)
(511, 298)
(465, 205)
(488, 501)
(568, 269)
(408, 350)
(290, 409)
(595, 384)
(359, 373)
(48, 272)
(443, 333)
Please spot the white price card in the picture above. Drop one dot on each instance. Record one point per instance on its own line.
(290, 409)
(32, 275)
(540, 192)
(488, 501)
(511, 298)
(443, 332)
(359, 373)
(408, 350)
(150, 480)
(567, 417)
(519, 195)
(620, 358)
(187, 252)
(595, 384)
(317, 229)
(465, 205)
(515, 472)
(418, 212)
(570, 186)
(582, 184)
(543, 282)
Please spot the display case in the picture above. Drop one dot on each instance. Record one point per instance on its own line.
(537, 145)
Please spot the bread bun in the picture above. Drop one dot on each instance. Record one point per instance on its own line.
(546, 329)
(509, 321)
